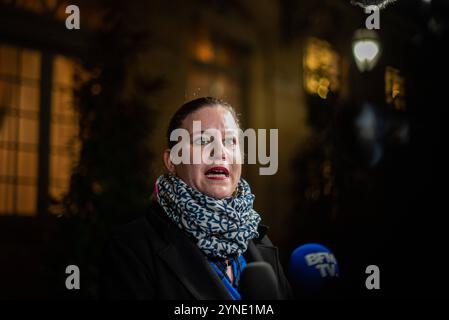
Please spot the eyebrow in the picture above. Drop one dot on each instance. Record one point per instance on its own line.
(203, 131)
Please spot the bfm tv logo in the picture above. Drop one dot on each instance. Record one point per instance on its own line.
(326, 263)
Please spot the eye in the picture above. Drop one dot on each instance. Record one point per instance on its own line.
(203, 140)
(232, 141)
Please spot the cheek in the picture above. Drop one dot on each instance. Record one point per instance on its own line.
(197, 172)
(237, 170)
(237, 155)
(186, 171)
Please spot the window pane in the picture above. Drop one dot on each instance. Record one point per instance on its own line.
(64, 136)
(6, 199)
(8, 98)
(64, 128)
(60, 167)
(26, 199)
(19, 101)
(7, 161)
(31, 65)
(28, 131)
(8, 60)
(27, 165)
(29, 97)
(63, 72)
(8, 130)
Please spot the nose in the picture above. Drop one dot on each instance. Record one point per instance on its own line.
(218, 151)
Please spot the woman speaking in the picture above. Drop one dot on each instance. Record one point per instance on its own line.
(200, 230)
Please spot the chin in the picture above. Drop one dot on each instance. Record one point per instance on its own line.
(219, 194)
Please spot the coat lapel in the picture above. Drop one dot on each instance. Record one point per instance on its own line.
(260, 252)
(191, 267)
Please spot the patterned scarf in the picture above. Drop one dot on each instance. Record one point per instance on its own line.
(221, 227)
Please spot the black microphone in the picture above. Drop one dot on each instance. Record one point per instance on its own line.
(258, 282)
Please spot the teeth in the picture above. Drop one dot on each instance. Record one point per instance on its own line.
(216, 174)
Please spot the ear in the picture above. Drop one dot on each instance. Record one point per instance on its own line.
(167, 161)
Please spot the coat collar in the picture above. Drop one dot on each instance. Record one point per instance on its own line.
(191, 266)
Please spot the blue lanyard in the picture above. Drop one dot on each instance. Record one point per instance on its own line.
(236, 272)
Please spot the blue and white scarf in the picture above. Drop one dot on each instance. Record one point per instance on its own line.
(222, 227)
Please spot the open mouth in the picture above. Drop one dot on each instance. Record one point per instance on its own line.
(217, 173)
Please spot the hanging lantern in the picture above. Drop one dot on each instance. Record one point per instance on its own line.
(366, 49)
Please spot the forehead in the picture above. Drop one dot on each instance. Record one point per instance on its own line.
(217, 117)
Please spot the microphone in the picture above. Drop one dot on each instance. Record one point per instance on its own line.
(258, 282)
(313, 271)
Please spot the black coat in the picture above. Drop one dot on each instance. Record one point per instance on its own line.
(151, 258)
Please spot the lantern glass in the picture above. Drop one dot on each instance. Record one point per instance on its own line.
(366, 49)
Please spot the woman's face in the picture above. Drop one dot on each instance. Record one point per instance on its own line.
(217, 140)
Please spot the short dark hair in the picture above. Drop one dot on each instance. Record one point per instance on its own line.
(192, 106)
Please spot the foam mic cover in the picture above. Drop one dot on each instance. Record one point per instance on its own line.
(258, 282)
(313, 270)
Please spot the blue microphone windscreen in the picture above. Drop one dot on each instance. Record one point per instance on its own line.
(312, 266)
